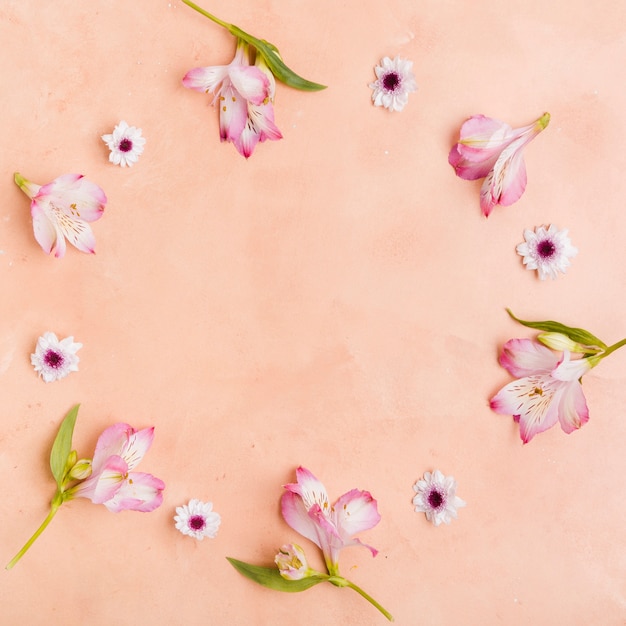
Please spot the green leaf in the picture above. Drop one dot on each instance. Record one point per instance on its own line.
(579, 335)
(62, 446)
(270, 55)
(270, 577)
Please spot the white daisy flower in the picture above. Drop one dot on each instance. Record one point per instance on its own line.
(395, 81)
(547, 251)
(54, 359)
(125, 143)
(197, 519)
(436, 496)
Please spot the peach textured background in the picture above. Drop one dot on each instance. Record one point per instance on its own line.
(336, 301)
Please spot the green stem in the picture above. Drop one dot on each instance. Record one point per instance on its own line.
(209, 15)
(371, 600)
(54, 507)
(614, 347)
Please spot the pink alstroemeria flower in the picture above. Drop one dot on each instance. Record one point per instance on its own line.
(245, 93)
(61, 209)
(112, 482)
(491, 149)
(547, 390)
(306, 509)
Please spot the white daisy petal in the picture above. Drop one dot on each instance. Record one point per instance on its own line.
(197, 519)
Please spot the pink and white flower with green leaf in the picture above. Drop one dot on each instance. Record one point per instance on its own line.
(548, 388)
(307, 509)
(245, 92)
(108, 479)
(491, 149)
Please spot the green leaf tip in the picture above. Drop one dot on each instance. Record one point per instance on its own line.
(270, 577)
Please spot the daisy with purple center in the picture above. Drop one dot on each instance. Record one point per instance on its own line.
(125, 143)
(197, 519)
(436, 496)
(547, 250)
(395, 80)
(54, 359)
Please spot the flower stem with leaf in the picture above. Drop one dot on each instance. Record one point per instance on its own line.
(268, 51)
(62, 461)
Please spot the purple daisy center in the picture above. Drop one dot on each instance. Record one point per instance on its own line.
(53, 359)
(546, 249)
(435, 499)
(126, 145)
(197, 522)
(391, 81)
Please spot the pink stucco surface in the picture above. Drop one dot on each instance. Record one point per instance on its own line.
(336, 301)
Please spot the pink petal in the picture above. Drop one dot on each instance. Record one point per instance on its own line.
(309, 487)
(532, 401)
(45, 232)
(297, 517)
(111, 442)
(103, 485)
(569, 370)
(205, 79)
(522, 357)
(137, 445)
(233, 113)
(483, 138)
(250, 82)
(247, 141)
(77, 232)
(76, 196)
(534, 422)
(259, 127)
(470, 170)
(140, 492)
(356, 511)
(573, 411)
(511, 178)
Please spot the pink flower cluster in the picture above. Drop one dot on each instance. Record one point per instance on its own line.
(112, 481)
(245, 95)
(547, 389)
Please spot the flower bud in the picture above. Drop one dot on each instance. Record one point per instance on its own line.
(81, 470)
(292, 562)
(561, 342)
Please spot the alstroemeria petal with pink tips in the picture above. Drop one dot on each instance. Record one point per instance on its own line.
(140, 492)
(123, 440)
(356, 511)
(491, 149)
(522, 357)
